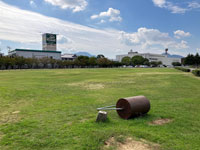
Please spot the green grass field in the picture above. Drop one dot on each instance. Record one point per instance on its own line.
(56, 109)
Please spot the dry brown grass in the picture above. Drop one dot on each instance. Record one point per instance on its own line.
(161, 121)
(7, 117)
(152, 73)
(130, 144)
(88, 85)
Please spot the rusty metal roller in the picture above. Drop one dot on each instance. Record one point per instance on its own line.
(132, 106)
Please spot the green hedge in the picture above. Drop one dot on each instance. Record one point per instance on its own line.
(196, 72)
(183, 69)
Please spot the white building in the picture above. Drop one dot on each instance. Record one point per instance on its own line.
(48, 49)
(28, 53)
(151, 57)
(68, 57)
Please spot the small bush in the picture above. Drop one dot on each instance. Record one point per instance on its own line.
(196, 72)
(183, 69)
(176, 64)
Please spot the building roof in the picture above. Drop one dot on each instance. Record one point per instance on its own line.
(68, 56)
(152, 54)
(31, 50)
(136, 53)
(49, 34)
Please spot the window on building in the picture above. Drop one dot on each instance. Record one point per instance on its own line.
(153, 58)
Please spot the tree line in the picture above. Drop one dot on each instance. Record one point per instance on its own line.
(139, 60)
(192, 60)
(7, 62)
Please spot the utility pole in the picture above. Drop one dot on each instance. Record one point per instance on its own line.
(9, 49)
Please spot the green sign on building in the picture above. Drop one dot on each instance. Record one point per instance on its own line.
(51, 38)
(49, 41)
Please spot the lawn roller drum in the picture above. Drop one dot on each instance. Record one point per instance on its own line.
(130, 107)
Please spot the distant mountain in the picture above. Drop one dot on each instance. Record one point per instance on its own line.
(84, 54)
(173, 56)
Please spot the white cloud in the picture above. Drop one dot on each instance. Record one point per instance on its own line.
(159, 3)
(111, 14)
(102, 21)
(170, 6)
(174, 8)
(181, 45)
(94, 16)
(181, 34)
(151, 37)
(64, 40)
(32, 3)
(193, 5)
(146, 36)
(75, 5)
(27, 28)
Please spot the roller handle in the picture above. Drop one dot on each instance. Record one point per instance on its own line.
(109, 108)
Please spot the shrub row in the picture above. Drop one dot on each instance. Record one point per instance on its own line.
(183, 69)
(196, 72)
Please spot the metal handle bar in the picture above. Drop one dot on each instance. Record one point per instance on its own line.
(109, 108)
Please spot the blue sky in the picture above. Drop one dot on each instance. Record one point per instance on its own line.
(108, 27)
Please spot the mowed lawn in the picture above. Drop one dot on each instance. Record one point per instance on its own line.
(56, 109)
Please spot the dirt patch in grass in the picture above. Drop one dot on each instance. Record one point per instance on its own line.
(83, 120)
(130, 144)
(152, 73)
(161, 121)
(15, 112)
(7, 117)
(122, 82)
(155, 73)
(94, 86)
(109, 143)
(69, 123)
(88, 85)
